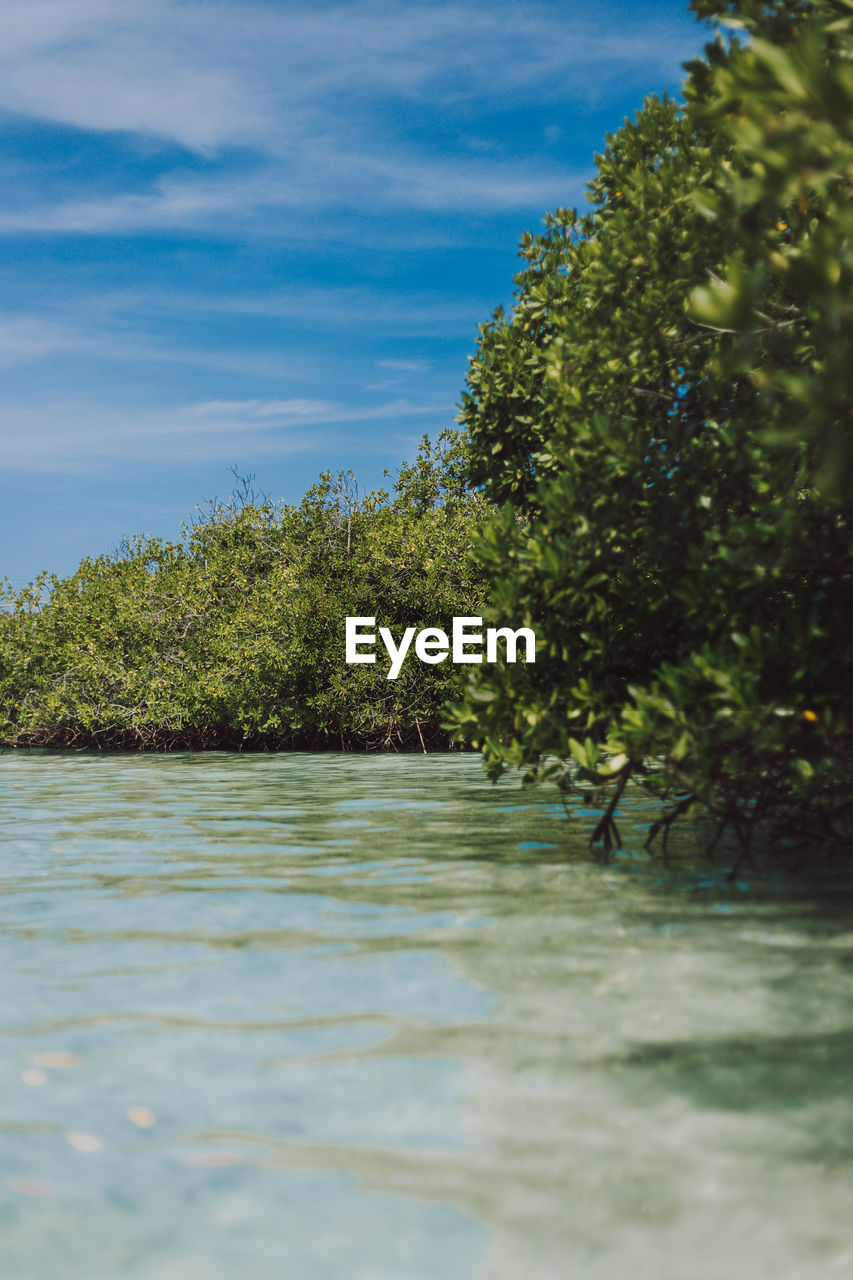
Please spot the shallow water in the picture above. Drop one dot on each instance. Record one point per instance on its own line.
(371, 1018)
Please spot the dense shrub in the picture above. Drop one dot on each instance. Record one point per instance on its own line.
(234, 637)
(665, 418)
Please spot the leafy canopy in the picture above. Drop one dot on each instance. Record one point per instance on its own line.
(661, 418)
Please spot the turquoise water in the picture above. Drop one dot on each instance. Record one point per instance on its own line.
(371, 1018)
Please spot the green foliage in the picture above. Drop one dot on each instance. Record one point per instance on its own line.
(785, 99)
(660, 417)
(235, 636)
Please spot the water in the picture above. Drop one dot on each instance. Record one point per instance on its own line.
(371, 1018)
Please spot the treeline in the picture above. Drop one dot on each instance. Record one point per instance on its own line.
(233, 637)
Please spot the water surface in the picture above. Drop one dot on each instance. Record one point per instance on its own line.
(371, 1018)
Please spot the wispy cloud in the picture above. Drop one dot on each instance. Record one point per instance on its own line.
(404, 366)
(331, 181)
(129, 328)
(264, 74)
(324, 100)
(72, 437)
(34, 340)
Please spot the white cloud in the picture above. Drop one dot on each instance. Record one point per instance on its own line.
(28, 338)
(208, 75)
(36, 340)
(68, 436)
(404, 366)
(127, 325)
(254, 411)
(313, 91)
(152, 68)
(328, 308)
(334, 181)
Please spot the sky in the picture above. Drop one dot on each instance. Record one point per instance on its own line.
(261, 234)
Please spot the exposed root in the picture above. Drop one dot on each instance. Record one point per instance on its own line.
(665, 822)
(606, 832)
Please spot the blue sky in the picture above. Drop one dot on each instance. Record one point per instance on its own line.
(262, 233)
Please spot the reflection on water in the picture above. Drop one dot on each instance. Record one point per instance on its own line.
(370, 1018)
